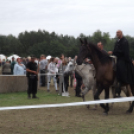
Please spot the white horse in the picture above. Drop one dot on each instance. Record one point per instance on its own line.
(87, 72)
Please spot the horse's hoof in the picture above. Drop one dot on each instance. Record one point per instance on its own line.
(94, 108)
(105, 113)
(88, 107)
(111, 107)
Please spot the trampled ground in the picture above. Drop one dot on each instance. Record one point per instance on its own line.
(69, 120)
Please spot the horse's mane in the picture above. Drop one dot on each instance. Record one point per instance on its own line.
(102, 55)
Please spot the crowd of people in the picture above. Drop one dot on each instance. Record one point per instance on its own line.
(49, 70)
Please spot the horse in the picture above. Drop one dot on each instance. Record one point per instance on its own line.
(105, 74)
(87, 72)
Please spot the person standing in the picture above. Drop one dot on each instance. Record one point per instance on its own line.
(32, 75)
(0, 62)
(12, 65)
(60, 77)
(19, 68)
(52, 70)
(78, 84)
(23, 61)
(65, 82)
(43, 67)
(3, 62)
(60, 60)
(6, 68)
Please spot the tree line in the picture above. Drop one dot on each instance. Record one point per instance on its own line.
(43, 42)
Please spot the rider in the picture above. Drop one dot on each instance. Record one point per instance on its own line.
(125, 70)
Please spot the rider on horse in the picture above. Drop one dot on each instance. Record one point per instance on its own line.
(124, 67)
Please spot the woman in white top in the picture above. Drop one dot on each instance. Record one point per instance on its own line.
(19, 68)
(52, 70)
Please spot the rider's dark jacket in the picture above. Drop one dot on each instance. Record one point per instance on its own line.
(125, 68)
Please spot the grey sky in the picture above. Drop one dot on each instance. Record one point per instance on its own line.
(70, 17)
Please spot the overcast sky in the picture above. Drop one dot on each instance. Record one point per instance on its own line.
(70, 17)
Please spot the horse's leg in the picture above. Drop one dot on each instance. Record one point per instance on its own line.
(106, 97)
(84, 92)
(127, 90)
(130, 110)
(94, 91)
(96, 96)
(113, 90)
(113, 93)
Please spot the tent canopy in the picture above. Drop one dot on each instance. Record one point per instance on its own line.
(2, 57)
(48, 57)
(14, 55)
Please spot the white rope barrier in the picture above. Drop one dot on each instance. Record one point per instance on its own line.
(123, 99)
(38, 74)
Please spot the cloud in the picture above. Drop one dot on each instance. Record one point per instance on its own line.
(66, 17)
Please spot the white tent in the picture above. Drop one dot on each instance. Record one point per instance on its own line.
(48, 57)
(15, 57)
(2, 57)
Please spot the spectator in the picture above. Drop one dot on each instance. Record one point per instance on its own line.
(75, 58)
(86, 61)
(69, 59)
(28, 59)
(12, 65)
(6, 68)
(57, 76)
(0, 62)
(66, 76)
(32, 72)
(23, 61)
(78, 85)
(59, 63)
(43, 67)
(52, 69)
(78, 82)
(60, 60)
(19, 68)
(3, 62)
(37, 61)
(71, 75)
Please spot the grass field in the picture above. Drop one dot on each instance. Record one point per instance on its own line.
(68, 120)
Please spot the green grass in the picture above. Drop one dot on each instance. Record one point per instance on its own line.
(20, 98)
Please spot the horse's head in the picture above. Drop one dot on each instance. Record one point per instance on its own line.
(83, 53)
(70, 67)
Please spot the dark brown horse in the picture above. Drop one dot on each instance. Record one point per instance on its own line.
(105, 75)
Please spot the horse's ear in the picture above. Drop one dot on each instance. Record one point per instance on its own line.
(81, 41)
(85, 41)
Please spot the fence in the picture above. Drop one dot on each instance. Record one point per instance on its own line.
(16, 83)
